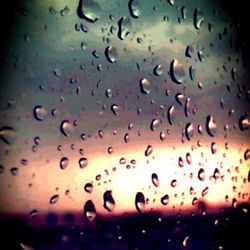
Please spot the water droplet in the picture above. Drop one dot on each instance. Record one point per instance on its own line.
(14, 171)
(154, 124)
(25, 246)
(145, 86)
(192, 72)
(88, 187)
(244, 123)
(57, 72)
(158, 70)
(201, 174)
(134, 8)
(189, 130)
(172, 2)
(180, 162)
(83, 162)
(54, 199)
(126, 137)
(184, 12)
(205, 191)
(111, 53)
(109, 202)
(213, 147)
(216, 174)
(149, 150)
(98, 177)
(180, 98)
(122, 161)
(234, 203)
(39, 112)
(198, 18)
(109, 93)
(174, 183)
(140, 202)
(89, 10)
(8, 134)
(211, 125)
(64, 162)
(165, 199)
(189, 51)
(185, 241)
(89, 211)
(115, 109)
(188, 158)
(171, 114)
(201, 56)
(124, 26)
(33, 213)
(2, 169)
(155, 179)
(66, 128)
(162, 136)
(247, 154)
(177, 72)
(194, 201)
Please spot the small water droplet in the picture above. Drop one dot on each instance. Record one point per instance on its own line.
(216, 174)
(149, 150)
(201, 174)
(154, 124)
(158, 70)
(180, 162)
(198, 18)
(134, 8)
(57, 72)
(2, 169)
(122, 161)
(54, 199)
(194, 201)
(213, 147)
(66, 128)
(89, 211)
(109, 93)
(88, 187)
(111, 53)
(165, 199)
(89, 10)
(124, 26)
(83, 162)
(126, 137)
(145, 86)
(189, 130)
(172, 2)
(155, 179)
(171, 114)
(140, 202)
(174, 183)
(205, 191)
(192, 73)
(201, 55)
(162, 136)
(244, 123)
(211, 126)
(184, 12)
(8, 134)
(109, 202)
(189, 51)
(110, 150)
(39, 112)
(185, 241)
(14, 171)
(247, 154)
(180, 98)
(188, 158)
(64, 162)
(177, 72)
(33, 213)
(115, 109)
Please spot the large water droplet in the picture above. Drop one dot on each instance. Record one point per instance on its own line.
(177, 72)
(189, 130)
(89, 211)
(154, 124)
(124, 26)
(66, 128)
(201, 174)
(170, 115)
(7, 134)
(111, 53)
(145, 86)
(149, 150)
(54, 199)
(88, 187)
(155, 179)
(198, 18)
(158, 70)
(39, 112)
(140, 202)
(89, 10)
(134, 8)
(109, 202)
(83, 162)
(244, 123)
(115, 109)
(64, 162)
(165, 199)
(211, 125)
